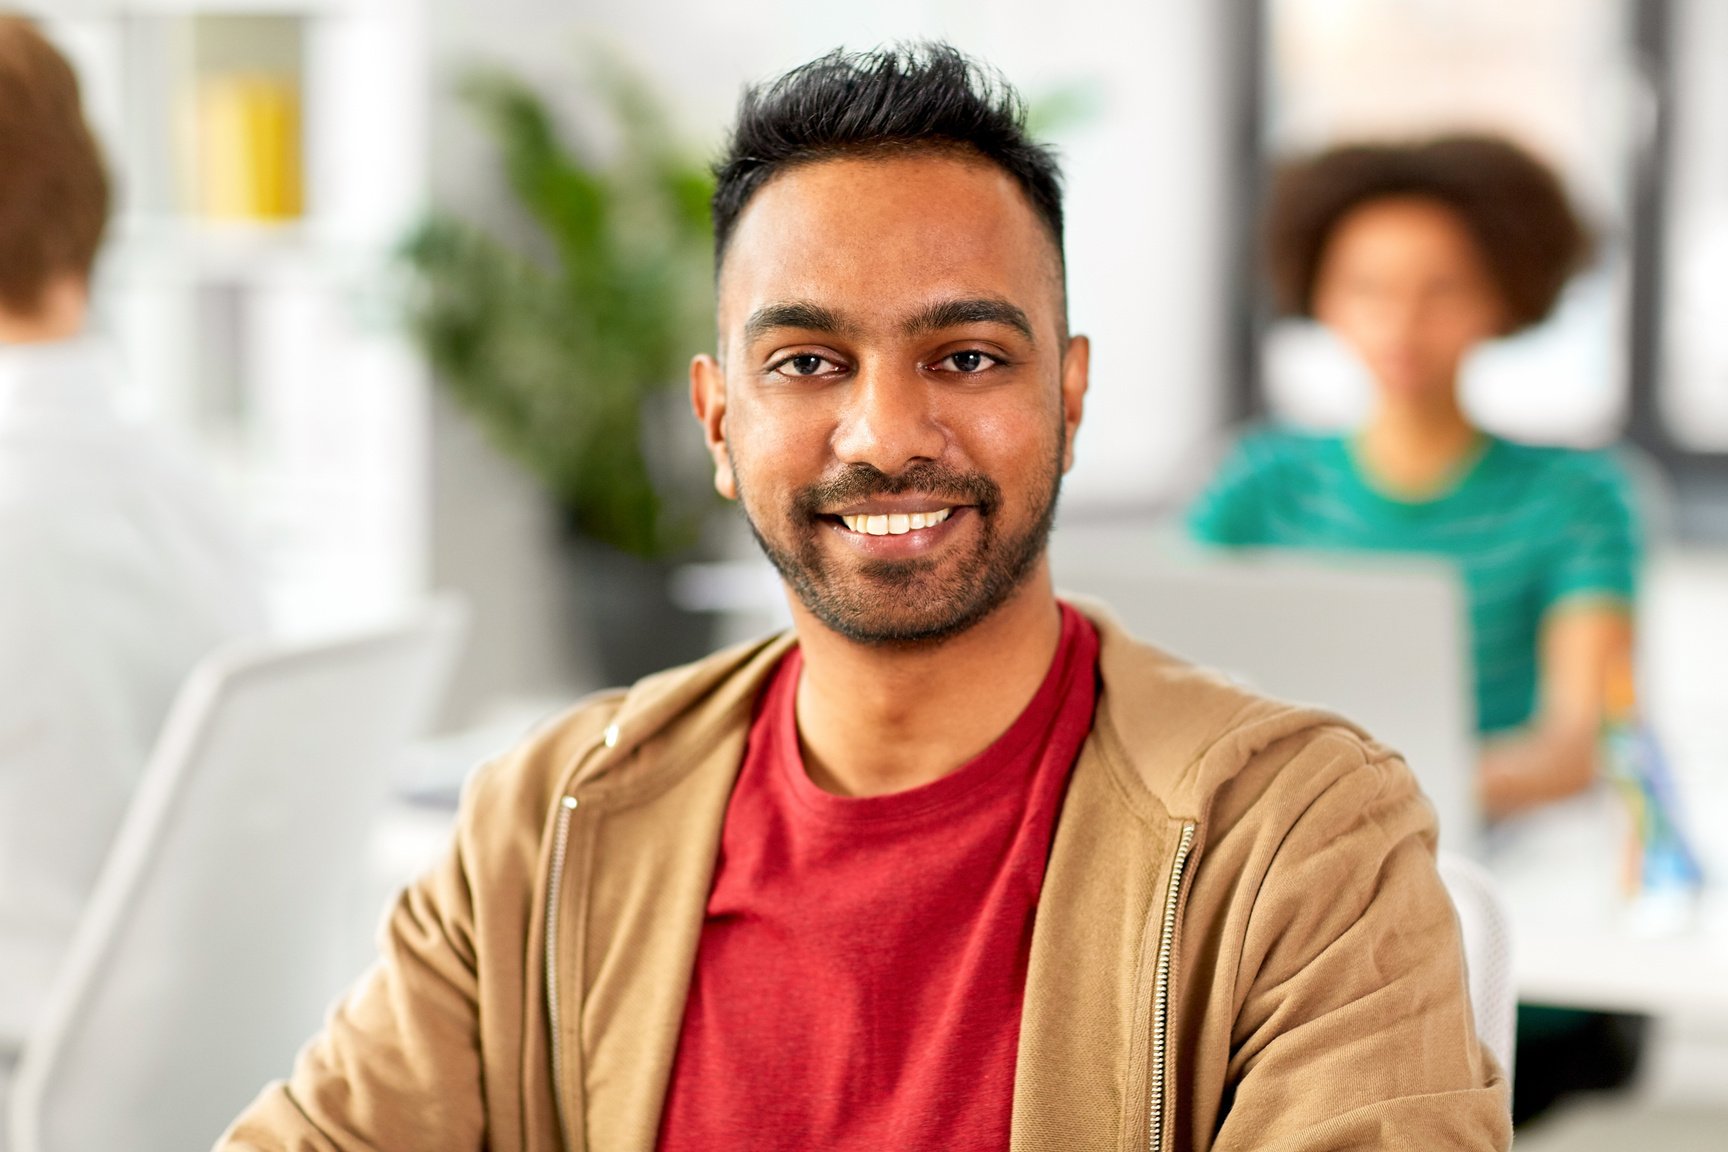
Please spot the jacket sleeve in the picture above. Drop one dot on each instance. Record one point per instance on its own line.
(1353, 1025)
(397, 1065)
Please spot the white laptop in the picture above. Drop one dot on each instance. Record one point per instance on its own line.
(1380, 640)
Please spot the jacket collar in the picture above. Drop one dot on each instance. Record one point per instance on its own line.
(666, 722)
(1182, 731)
(1159, 721)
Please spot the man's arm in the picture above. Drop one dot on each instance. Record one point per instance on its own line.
(1353, 1025)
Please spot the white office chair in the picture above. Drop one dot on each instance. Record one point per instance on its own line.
(223, 922)
(1487, 932)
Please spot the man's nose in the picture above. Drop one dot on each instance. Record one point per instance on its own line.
(889, 420)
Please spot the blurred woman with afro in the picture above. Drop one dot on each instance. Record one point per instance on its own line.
(1414, 255)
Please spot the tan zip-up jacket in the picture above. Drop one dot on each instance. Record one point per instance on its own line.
(1241, 942)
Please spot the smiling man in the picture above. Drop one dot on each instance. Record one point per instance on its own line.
(954, 864)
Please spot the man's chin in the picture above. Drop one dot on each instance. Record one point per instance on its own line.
(909, 605)
(898, 628)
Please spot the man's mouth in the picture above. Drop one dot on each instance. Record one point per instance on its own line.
(894, 523)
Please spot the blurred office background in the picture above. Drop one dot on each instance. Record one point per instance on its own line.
(273, 156)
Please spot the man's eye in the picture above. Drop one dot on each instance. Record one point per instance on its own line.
(805, 364)
(968, 362)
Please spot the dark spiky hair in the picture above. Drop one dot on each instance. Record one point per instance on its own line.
(903, 98)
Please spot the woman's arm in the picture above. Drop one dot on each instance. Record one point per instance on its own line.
(1583, 647)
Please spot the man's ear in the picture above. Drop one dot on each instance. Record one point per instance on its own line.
(708, 399)
(1076, 376)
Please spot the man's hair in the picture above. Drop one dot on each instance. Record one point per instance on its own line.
(905, 98)
(1513, 205)
(53, 188)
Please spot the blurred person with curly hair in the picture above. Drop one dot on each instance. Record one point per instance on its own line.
(1415, 255)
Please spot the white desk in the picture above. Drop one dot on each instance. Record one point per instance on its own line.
(1574, 941)
(1577, 942)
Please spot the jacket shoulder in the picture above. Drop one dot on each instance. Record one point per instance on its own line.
(507, 802)
(595, 739)
(1186, 731)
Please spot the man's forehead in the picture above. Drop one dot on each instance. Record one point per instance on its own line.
(884, 239)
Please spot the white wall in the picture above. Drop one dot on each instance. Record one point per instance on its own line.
(1146, 242)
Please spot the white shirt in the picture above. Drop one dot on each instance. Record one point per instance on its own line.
(117, 573)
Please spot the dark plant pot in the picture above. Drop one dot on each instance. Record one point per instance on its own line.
(626, 604)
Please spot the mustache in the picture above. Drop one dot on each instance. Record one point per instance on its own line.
(860, 481)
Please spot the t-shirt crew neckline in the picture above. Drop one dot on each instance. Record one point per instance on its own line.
(992, 768)
(1456, 481)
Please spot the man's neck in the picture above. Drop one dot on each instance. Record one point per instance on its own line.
(874, 720)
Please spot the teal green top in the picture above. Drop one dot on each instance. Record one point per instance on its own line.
(1528, 529)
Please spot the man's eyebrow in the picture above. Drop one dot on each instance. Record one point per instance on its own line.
(969, 310)
(793, 314)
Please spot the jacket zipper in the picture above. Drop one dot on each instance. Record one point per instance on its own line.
(1161, 992)
(560, 846)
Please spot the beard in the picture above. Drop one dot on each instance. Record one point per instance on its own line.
(908, 602)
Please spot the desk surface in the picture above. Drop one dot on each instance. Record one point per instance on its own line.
(1577, 942)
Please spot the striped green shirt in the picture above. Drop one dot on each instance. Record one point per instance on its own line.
(1528, 529)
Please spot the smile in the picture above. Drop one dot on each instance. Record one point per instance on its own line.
(895, 523)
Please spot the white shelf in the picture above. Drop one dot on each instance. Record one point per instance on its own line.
(193, 249)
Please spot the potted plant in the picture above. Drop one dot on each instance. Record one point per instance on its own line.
(570, 352)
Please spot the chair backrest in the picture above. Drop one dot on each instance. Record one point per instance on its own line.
(222, 924)
(1487, 931)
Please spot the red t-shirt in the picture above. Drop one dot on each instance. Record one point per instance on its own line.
(862, 962)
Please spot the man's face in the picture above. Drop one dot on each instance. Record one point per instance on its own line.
(895, 399)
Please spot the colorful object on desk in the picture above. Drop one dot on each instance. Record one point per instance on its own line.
(1662, 873)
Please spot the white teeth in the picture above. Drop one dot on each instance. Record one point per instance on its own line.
(895, 523)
